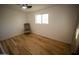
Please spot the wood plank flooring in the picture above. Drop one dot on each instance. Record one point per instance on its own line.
(34, 45)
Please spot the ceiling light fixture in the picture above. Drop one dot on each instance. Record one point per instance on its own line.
(24, 6)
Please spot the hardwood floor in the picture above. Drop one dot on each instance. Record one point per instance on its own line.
(34, 45)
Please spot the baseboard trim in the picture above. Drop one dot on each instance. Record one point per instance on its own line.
(37, 35)
(50, 38)
(12, 36)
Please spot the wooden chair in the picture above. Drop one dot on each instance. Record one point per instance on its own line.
(27, 29)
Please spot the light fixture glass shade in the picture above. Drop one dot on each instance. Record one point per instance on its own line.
(24, 7)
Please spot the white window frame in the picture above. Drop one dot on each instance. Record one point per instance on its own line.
(40, 20)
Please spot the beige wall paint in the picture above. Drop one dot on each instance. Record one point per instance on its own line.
(11, 23)
(62, 23)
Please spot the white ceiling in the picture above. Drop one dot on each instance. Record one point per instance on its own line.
(35, 7)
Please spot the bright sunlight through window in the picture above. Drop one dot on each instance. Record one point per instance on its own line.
(77, 33)
(41, 19)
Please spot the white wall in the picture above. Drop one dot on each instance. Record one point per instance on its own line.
(62, 23)
(11, 23)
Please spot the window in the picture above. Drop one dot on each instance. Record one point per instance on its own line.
(41, 19)
(77, 33)
(38, 19)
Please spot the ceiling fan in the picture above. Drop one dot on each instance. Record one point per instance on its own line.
(24, 6)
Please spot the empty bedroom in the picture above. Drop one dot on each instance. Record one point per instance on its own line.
(39, 29)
